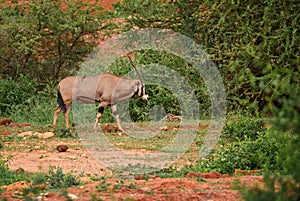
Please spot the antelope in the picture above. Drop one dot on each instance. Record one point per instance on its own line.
(106, 89)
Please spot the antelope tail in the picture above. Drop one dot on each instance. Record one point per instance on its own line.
(60, 102)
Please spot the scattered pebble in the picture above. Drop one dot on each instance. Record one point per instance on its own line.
(72, 196)
(5, 122)
(62, 148)
(45, 135)
(72, 157)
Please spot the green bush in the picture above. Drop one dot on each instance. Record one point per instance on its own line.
(39, 178)
(283, 183)
(57, 179)
(245, 144)
(248, 154)
(26, 101)
(14, 93)
(243, 128)
(7, 176)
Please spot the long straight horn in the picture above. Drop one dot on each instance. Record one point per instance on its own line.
(137, 71)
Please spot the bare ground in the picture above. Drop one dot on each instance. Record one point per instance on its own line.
(39, 155)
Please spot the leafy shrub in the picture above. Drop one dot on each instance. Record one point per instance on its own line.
(57, 179)
(39, 178)
(283, 183)
(7, 176)
(14, 93)
(246, 155)
(26, 101)
(243, 128)
(245, 144)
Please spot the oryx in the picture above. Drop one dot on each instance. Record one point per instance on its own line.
(106, 89)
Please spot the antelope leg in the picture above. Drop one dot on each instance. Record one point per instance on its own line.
(99, 114)
(117, 117)
(66, 114)
(56, 113)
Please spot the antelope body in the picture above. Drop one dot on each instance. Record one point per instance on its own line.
(106, 89)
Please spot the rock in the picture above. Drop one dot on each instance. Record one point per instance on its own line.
(203, 127)
(20, 171)
(5, 133)
(72, 196)
(246, 172)
(45, 135)
(62, 148)
(72, 158)
(83, 156)
(5, 122)
(26, 134)
(109, 128)
(212, 175)
(19, 125)
(173, 118)
(168, 128)
(18, 186)
(164, 128)
(145, 189)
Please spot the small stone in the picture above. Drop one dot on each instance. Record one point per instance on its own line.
(5, 122)
(19, 125)
(46, 135)
(62, 148)
(72, 196)
(18, 186)
(37, 134)
(109, 128)
(145, 189)
(84, 156)
(20, 171)
(164, 128)
(72, 157)
(5, 133)
(26, 134)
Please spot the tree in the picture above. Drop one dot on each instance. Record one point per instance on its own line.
(47, 39)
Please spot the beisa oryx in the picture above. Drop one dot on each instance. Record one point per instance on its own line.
(106, 89)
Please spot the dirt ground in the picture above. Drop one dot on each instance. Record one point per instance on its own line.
(39, 155)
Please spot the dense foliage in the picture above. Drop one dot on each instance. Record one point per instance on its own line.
(255, 44)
